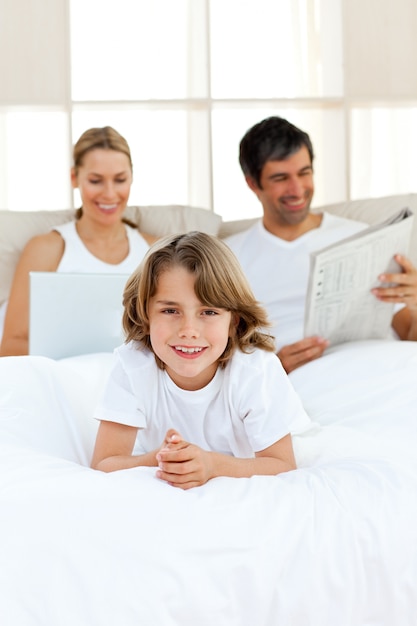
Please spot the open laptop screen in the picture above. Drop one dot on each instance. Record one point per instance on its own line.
(73, 314)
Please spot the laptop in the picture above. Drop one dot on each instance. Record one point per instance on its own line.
(73, 314)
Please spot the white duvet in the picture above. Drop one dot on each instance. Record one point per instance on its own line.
(333, 543)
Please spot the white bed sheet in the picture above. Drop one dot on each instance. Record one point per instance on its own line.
(333, 543)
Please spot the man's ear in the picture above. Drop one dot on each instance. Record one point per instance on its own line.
(251, 183)
(74, 181)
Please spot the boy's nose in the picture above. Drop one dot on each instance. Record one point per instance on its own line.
(188, 328)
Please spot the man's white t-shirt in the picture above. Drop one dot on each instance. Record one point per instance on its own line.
(248, 405)
(278, 270)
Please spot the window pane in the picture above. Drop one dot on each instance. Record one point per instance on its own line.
(137, 49)
(285, 49)
(383, 151)
(160, 150)
(36, 161)
(232, 197)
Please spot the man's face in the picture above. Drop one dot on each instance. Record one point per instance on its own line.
(286, 189)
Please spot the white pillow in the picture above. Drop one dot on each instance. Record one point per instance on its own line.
(17, 227)
(166, 220)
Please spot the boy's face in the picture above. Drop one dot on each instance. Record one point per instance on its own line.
(286, 189)
(186, 335)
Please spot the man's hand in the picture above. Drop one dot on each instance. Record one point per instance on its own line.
(404, 288)
(302, 352)
(182, 464)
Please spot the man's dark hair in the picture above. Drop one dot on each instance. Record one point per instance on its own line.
(273, 139)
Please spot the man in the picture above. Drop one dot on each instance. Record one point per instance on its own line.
(277, 160)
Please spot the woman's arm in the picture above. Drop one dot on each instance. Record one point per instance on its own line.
(114, 446)
(185, 465)
(41, 254)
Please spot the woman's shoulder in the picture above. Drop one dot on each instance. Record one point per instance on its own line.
(65, 228)
(43, 239)
(133, 228)
(135, 234)
(150, 239)
(45, 248)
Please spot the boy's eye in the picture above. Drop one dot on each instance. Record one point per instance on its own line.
(120, 180)
(168, 311)
(210, 312)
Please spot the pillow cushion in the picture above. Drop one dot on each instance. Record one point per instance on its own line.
(17, 227)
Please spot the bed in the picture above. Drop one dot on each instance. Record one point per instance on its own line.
(332, 543)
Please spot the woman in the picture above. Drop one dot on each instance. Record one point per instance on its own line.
(99, 239)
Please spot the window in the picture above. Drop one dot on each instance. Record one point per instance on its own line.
(36, 159)
(183, 80)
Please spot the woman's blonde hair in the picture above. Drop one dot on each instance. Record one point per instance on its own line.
(105, 138)
(219, 282)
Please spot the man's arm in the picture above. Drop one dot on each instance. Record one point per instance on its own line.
(405, 291)
(404, 322)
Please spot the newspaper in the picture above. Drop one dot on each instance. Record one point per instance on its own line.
(339, 304)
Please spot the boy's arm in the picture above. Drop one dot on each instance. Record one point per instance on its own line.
(113, 449)
(185, 465)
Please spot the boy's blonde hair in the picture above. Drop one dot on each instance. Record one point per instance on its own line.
(219, 282)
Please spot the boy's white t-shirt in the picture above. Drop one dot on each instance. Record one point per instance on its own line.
(247, 406)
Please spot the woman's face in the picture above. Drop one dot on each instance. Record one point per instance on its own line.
(104, 179)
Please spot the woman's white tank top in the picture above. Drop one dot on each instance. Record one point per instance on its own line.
(77, 258)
